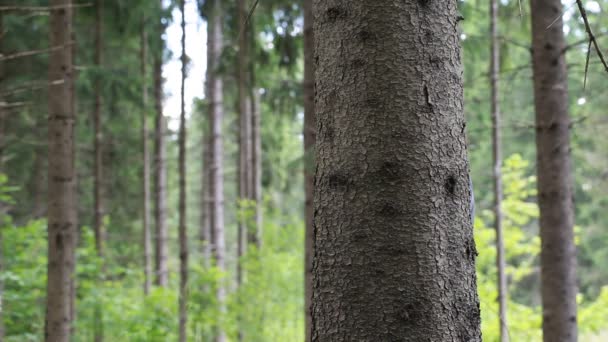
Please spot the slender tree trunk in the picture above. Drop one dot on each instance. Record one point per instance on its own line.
(394, 255)
(216, 110)
(2, 206)
(243, 136)
(558, 254)
(98, 166)
(98, 224)
(497, 175)
(256, 164)
(205, 236)
(160, 179)
(146, 163)
(309, 158)
(62, 216)
(183, 237)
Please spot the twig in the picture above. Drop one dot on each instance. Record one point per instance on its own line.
(579, 42)
(30, 86)
(32, 52)
(592, 39)
(587, 65)
(561, 14)
(15, 8)
(249, 15)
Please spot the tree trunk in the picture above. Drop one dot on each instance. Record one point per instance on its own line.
(62, 216)
(97, 146)
(160, 178)
(205, 232)
(256, 165)
(244, 122)
(146, 163)
(98, 224)
(394, 255)
(558, 254)
(216, 109)
(183, 238)
(497, 175)
(309, 153)
(2, 206)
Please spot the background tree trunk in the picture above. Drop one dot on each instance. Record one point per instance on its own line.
(183, 237)
(146, 163)
(394, 250)
(62, 216)
(216, 109)
(160, 180)
(558, 254)
(98, 163)
(497, 173)
(309, 158)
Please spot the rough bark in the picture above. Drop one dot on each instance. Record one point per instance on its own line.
(62, 215)
(160, 179)
(554, 172)
(309, 156)
(497, 175)
(183, 237)
(146, 163)
(216, 110)
(393, 241)
(97, 163)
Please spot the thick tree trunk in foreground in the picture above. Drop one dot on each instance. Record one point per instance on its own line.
(558, 254)
(62, 216)
(183, 237)
(497, 173)
(309, 158)
(216, 108)
(146, 164)
(394, 250)
(160, 181)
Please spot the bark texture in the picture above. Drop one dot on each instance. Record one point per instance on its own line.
(62, 215)
(497, 173)
(216, 108)
(554, 172)
(147, 241)
(393, 241)
(160, 180)
(309, 157)
(183, 236)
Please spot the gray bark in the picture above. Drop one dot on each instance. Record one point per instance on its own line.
(394, 255)
(160, 181)
(62, 215)
(183, 236)
(554, 172)
(309, 156)
(146, 164)
(215, 46)
(497, 174)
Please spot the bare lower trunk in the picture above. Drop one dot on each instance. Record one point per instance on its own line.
(256, 166)
(394, 255)
(146, 164)
(309, 157)
(160, 181)
(98, 166)
(183, 237)
(558, 254)
(62, 217)
(216, 110)
(2, 207)
(497, 175)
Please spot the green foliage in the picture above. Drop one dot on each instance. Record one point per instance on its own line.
(522, 248)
